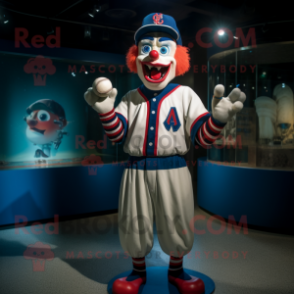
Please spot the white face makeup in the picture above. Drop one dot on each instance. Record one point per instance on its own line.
(155, 62)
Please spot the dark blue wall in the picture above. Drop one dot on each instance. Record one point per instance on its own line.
(42, 193)
(265, 196)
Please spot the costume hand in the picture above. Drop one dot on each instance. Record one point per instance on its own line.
(100, 104)
(224, 108)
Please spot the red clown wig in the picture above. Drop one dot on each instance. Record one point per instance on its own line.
(181, 56)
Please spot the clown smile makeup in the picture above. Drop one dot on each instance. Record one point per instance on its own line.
(155, 72)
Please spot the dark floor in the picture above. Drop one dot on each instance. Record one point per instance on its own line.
(263, 263)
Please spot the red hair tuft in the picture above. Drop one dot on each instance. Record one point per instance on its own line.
(131, 58)
(183, 60)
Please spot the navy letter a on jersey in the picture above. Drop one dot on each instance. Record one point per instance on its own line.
(172, 120)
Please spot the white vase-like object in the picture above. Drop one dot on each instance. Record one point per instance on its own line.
(266, 109)
(284, 98)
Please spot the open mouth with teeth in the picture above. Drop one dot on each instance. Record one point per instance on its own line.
(155, 72)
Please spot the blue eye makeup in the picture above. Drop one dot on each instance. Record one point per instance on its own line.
(164, 50)
(146, 49)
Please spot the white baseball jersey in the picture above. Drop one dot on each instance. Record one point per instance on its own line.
(164, 124)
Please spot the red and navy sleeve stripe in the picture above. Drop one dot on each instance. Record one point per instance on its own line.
(113, 126)
(208, 132)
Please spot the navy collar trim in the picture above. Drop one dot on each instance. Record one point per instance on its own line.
(149, 94)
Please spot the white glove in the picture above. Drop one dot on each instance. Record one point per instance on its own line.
(223, 109)
(100, 104)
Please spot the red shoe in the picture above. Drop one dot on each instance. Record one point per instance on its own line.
(192, 286)
(121, 286)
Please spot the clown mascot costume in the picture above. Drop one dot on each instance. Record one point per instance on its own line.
(156, 124)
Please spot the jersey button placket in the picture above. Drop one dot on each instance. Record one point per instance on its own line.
(152, 124)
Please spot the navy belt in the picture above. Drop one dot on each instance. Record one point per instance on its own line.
(156, 163)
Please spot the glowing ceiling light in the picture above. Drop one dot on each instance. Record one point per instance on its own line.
(221, 32)
(94, 11)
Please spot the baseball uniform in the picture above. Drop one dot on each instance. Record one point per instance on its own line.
(156, 128)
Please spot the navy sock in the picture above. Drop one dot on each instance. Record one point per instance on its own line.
(139, 269)
(176, 268)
